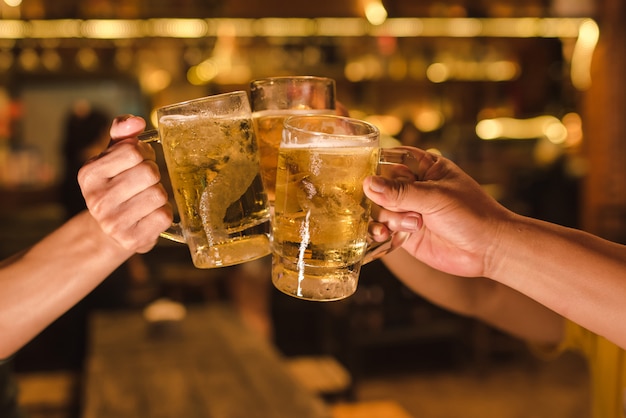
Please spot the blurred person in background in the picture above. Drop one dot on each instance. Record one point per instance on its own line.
(86, 134)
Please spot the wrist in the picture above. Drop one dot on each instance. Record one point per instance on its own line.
(509, 233)
(100, 242)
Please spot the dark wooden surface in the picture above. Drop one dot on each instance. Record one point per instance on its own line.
(205, 366)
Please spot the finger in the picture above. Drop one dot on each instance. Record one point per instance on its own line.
(418, 161)
(142, 236)
(126, 126)
(378, 232)
(388, 193)
(402, 196)
(136, 223)
(396, 172)
(101, 194)
(341, 109)
(118, 158)
(147, 230)
(157, 221)
(397, 221)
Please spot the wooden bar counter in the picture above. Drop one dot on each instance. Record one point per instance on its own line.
(207, 365)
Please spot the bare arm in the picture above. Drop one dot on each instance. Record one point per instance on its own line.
(44, 281)
(481, 298)
(128, 211)
(460, 230)
(578, 275)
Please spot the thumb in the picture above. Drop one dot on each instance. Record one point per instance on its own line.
(126, 126)
(395, 195)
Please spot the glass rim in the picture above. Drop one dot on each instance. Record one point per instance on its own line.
(211, 97)
(371, 134)
(296, 78)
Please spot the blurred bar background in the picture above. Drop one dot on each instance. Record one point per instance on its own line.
(527, 96)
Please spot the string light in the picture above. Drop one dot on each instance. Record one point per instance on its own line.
(291, 27)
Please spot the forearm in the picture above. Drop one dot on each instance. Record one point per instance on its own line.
(484, 299)
(578, 275)
(457, 294)
(43, 282)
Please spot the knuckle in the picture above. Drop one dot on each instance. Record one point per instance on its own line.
(163, 218)
(132, 152)
(151, 172)
(87, 175)
(111, 227)
(398, 191)
(160, 195)
(148, 150)
(97, 205)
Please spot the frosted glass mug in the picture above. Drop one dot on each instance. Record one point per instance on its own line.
(212, 160)
(321, 214)
(274, 99)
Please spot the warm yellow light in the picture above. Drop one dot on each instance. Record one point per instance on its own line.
(399, 27)
(13, 3)
(51, 60)
(388, 124)
(428, 120)
(367, 67)
(455, 27)
(112, 29)
(573, 124)
(354, 71)
(281, 27)
(375, 12)
(489, 129)
(545, 126)
(179, 28)
(501, 71)
(588, 35)
(155, 80)
(87, 59)
(29, 60)
(331, 26)
(13, 29)
(202, 73)
(376, 23)
(62, 28)
(438, 72)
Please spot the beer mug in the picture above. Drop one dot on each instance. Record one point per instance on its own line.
(210, 151)
(274, 99)
(321, 214)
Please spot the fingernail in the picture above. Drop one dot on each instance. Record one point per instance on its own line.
(125, 117)
(378, 184)
(376, 229)
(411, 222)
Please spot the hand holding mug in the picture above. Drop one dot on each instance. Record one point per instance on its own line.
(321, 214)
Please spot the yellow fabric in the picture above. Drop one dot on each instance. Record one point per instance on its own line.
(607, 370)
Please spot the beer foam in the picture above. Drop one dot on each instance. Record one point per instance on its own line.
(180, 119)
(172, 119)
(328, 145)
(290, 112)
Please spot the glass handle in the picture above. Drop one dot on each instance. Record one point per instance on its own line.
(396, 163)
(151, 135)
(175, 231)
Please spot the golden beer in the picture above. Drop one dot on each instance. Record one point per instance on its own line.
(320, 220)
(269, 128)
(214, 170)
